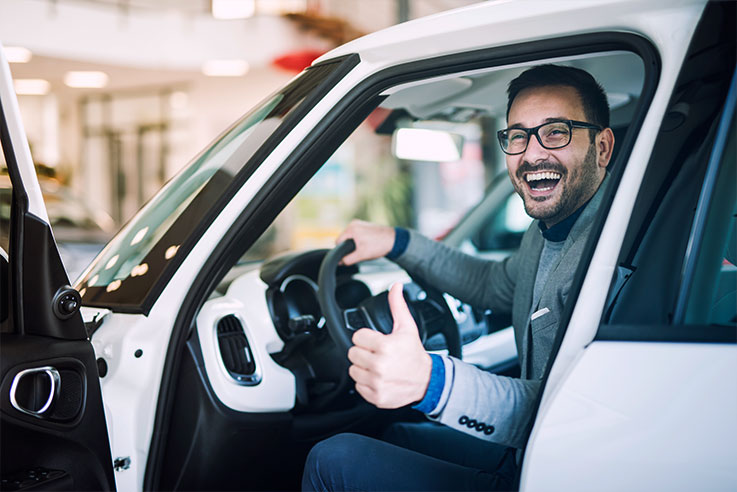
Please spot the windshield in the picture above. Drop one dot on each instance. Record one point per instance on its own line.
(165, 229)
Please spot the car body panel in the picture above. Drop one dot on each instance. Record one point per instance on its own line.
(648, 402)
(507, 22)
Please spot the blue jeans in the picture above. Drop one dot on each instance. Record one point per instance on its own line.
(422, 456)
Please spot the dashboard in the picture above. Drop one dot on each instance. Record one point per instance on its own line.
(265, 343)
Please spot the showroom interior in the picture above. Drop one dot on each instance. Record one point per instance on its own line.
(118, 95)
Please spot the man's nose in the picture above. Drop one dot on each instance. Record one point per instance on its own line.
(535, 152)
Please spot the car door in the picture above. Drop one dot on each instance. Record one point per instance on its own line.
(54, 435)
(645, 399)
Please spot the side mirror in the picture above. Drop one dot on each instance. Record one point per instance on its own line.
(421, 144)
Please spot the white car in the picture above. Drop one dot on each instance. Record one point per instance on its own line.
(194, 369)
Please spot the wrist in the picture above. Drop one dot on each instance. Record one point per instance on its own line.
(399, 242)
(425, 372)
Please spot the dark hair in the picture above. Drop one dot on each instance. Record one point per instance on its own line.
(593, 98)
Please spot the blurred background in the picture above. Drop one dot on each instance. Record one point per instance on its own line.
(118, 95)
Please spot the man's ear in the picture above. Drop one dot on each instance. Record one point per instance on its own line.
(604, 147)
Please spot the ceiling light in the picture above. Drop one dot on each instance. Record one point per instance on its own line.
(225, 68)
(17, 54)
(86, 80)
(31, 87)
(233, 9)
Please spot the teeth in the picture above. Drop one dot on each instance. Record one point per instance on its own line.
(543, 175)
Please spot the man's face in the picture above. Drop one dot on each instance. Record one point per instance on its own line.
(555, 183)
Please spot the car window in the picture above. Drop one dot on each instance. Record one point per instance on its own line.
(160, 234)
(466, 199)
(505, 227)
(674, 266)
(5, 201)
(710, 274)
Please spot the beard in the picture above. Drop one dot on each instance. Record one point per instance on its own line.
(576, 186)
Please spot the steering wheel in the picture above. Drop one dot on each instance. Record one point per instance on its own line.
(427, 305)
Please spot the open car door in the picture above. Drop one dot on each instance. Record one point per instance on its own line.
(54, 435)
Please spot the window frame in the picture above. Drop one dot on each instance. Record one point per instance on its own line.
(687, 138)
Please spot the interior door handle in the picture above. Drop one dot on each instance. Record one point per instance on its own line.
(31, 387)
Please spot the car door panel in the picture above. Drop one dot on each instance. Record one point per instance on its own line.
(622, 403)
(68, 437)
(54, 433)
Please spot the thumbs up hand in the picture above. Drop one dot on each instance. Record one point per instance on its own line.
(391, 370)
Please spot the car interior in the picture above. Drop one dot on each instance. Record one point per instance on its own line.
(263, 339)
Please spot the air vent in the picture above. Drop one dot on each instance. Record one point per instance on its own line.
(235, 351)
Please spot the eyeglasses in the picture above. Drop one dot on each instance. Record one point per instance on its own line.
(551, 135)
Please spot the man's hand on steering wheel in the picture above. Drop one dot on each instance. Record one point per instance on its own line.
(391, 370)
(372, 241)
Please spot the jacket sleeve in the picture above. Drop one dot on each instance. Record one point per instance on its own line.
(479, 282)
(488, 406)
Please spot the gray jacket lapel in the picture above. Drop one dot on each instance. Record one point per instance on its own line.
(523, 294)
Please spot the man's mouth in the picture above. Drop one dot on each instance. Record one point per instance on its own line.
(542, 182)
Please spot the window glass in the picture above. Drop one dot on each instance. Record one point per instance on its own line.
(134, 260)
(505, 227)
(6, 189)
(712, 290)
(465, 197)
(672, 261)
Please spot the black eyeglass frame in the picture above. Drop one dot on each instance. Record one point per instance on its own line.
(534, 131)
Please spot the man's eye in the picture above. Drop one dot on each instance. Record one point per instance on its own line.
(556, 131)
(517, 136)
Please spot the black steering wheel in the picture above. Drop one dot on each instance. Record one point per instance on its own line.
(427, 304)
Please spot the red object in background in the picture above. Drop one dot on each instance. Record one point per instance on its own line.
(296, 61)
(377, 117)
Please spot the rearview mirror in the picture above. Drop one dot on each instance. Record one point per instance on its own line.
(421, 144)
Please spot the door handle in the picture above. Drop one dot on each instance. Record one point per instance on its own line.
(32, 386)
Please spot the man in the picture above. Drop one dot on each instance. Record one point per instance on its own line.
(558, 144)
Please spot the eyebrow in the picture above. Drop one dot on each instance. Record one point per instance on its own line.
(546, 120)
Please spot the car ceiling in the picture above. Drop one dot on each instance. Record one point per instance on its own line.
(620, 73)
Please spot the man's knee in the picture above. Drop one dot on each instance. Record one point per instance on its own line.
(327, 458)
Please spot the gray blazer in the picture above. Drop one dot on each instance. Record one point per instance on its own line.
(485, 405)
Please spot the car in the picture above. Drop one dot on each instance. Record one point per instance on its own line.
(209, 352)
(80, 230)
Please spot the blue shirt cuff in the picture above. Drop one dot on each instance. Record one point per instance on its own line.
(435, 388)
(401, 240)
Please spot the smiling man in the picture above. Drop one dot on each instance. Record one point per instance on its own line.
(558, 144)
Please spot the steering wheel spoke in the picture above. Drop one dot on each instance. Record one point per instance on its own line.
(427, 304)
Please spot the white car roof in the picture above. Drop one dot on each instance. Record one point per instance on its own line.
(504, 22)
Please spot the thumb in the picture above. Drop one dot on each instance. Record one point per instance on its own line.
(403, 320)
